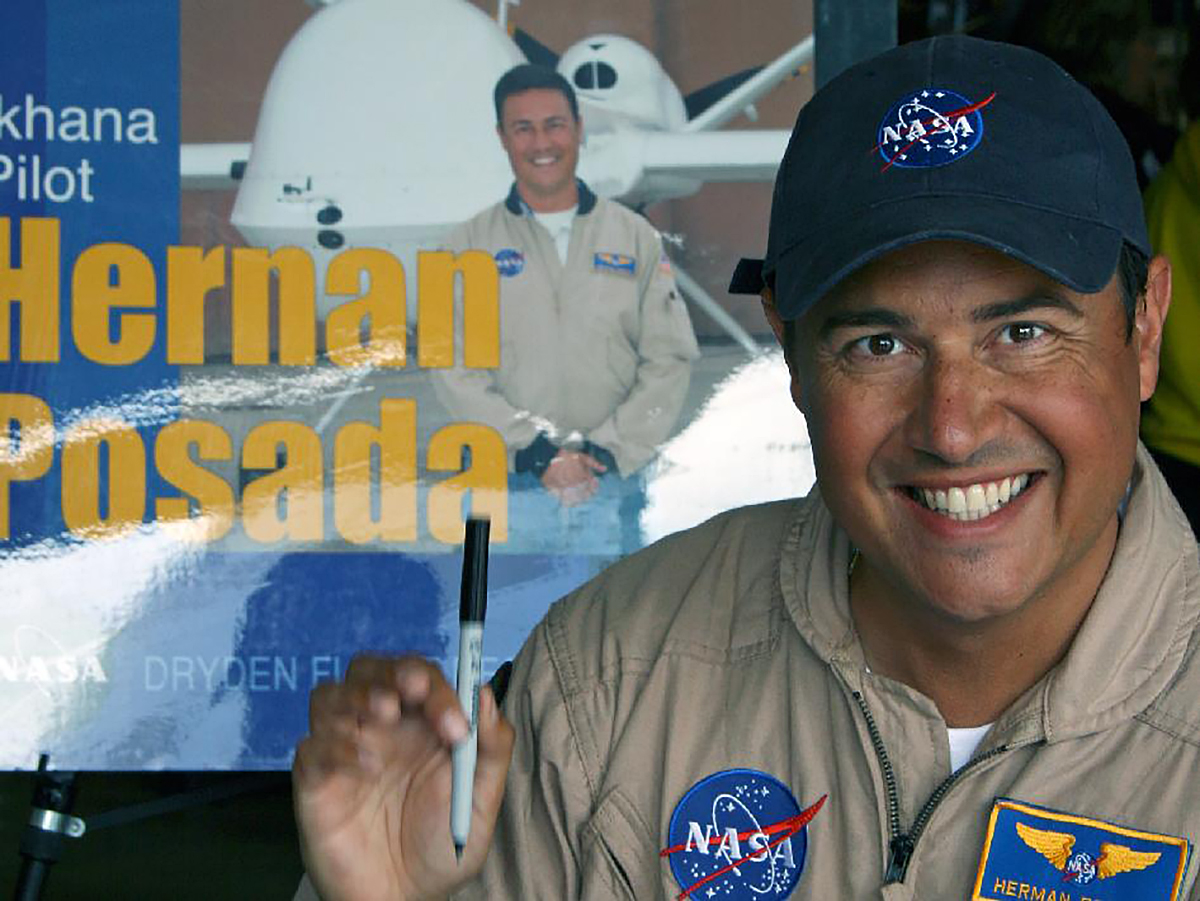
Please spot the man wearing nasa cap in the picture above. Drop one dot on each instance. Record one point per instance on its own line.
(963, 667)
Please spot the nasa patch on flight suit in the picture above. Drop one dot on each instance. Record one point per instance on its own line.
(1046, 855)
(509, 262)
(738, 835)
(614, 262)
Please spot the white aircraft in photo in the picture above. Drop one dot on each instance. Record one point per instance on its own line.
(377, 129)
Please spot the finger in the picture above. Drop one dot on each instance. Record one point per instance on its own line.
(495, 732)
(341, 717)
(591, 462)
(409, 674)
(379, 690)
(496, 739)
(443, 711)
(340, 708)
(411, 678)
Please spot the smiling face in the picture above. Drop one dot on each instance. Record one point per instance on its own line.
(974, 425)
(541, 136)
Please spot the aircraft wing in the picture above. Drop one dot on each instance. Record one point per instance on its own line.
(714, 155)
(754, 87)
(211, 167)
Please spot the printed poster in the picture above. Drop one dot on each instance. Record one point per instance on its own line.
(226, 463)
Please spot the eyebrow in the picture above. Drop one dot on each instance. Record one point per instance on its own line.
(1006, 308)
(872, 316)
(555, 119)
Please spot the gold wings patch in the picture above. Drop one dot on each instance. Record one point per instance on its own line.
(1054, 846)
(1116, 859)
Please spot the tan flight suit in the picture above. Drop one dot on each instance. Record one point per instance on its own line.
(730, 645)
(601, 346)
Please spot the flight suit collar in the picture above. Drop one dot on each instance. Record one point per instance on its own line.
(518, 207)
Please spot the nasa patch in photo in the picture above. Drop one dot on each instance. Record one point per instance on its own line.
(930, 127)
(1035, 852)
(738, 835)
(509, 262)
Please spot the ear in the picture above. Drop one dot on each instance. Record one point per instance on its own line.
(776, 323)
(772, 313)
(1151, 314)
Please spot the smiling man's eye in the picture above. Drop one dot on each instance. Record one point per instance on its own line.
(878, 345)
(1021, 332)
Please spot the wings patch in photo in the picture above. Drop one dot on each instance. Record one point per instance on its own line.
(1034, 852)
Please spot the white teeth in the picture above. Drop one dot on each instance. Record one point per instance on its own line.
(973, 502)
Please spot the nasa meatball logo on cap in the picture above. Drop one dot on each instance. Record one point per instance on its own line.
(737, 835)
(509, 262)
(930, 127)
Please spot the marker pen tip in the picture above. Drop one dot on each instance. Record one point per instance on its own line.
(458, 851)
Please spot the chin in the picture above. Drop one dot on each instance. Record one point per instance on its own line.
(964, 600)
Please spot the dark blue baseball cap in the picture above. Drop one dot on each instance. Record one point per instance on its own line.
(953, 138)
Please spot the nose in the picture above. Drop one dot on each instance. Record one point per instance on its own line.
(956, 410)
(541, 138)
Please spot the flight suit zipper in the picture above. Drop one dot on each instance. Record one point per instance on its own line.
(902, 845)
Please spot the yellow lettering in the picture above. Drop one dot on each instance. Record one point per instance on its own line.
(1010, 888)
(395, 442)
(172, 456)
(486, 478)
(999, 886)
(30, 455)
(1037, 894)
(34, 285)
(106, 276)
(191, 274)
(436, 271)
(252, 269)
(382, 309)
(296, 488)
(1024, 890)
(81, 478)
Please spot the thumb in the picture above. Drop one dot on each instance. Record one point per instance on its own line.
(496, 738)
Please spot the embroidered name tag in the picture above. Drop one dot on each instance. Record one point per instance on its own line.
(614, 262)
(1044, 855)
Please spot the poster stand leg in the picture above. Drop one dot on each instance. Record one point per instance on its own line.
(50, 822)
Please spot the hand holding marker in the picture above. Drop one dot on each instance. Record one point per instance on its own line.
(472, 607)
